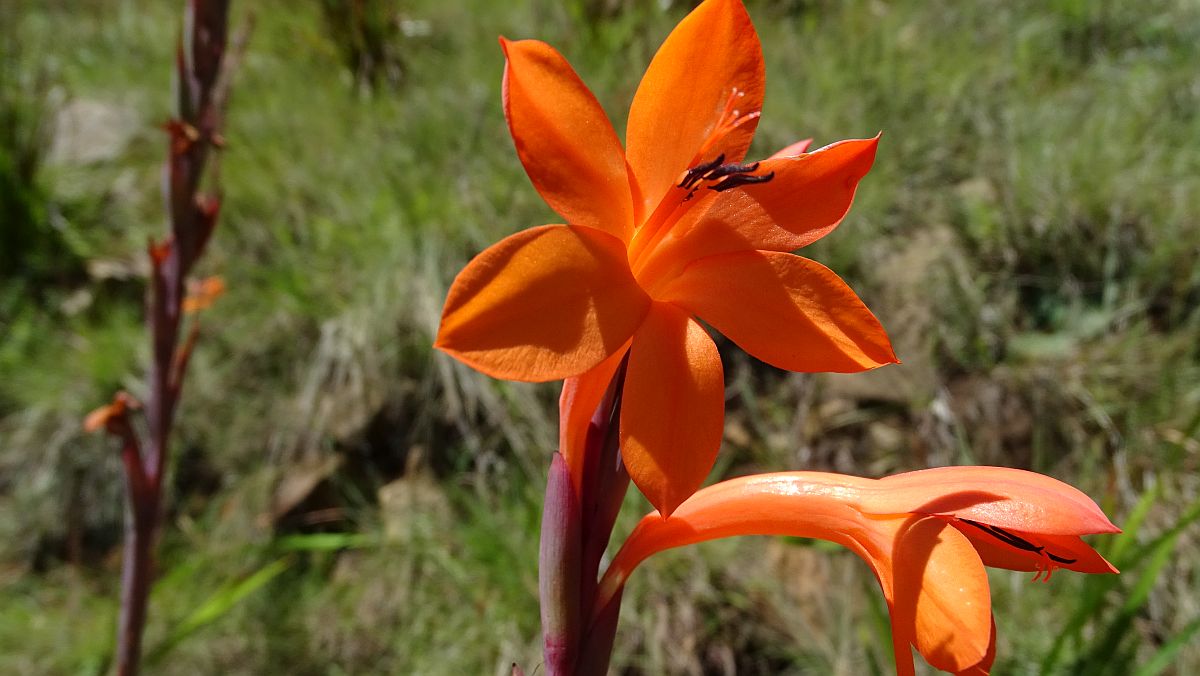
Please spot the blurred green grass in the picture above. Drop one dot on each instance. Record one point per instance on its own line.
(1029, 236)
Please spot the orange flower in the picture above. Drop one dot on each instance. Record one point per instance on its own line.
(202, 294)
(927, 536)
(108, 415)
(671, 229)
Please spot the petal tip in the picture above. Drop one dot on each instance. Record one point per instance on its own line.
(664, 497)
(667, 507)
(872, 147)
(1095, 521)
(858, 156)
(888, 356)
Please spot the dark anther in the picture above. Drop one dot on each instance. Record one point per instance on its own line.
(741, 179)
(1005, 536)
(1015, 541)
(696, 173)
(729, 176)
(730, 169)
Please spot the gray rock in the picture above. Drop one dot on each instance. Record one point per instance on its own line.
(87, 131)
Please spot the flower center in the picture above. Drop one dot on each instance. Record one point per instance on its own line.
(716, 175)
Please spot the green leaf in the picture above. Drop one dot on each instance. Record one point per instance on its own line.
(326, 542)
(219, 604)
(1096, 587)
(1158, 553)
(1166, 654)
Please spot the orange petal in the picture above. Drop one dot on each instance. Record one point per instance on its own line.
(1013, 499)
(788, 311)
(543, 304)
(564, 139)
(806, 199)
(203, 293)
(984, 666)
(580, 397)
(101, 417)
(800, 504)
(792, 150)
(940, 596)
(673, 407)
(683, 111)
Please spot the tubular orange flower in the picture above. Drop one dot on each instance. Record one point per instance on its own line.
(672, 229)
(202, 294)
(927, 536)
(109, 414)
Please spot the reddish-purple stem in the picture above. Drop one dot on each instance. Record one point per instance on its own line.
(574, 544)
(192, 218)
(604, 485)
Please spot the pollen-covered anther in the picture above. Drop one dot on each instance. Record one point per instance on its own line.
(731, 169)
(722, 176)
(694, 175)
(737, 179)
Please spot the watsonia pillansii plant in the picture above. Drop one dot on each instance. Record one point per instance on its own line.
(674, 229)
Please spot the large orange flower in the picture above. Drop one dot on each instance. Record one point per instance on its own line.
(927, 536)
(671, 229)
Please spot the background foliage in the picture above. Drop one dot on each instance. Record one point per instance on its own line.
(346, 501)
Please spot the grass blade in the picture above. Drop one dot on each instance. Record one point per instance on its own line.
(219, 604)
(1166, 654)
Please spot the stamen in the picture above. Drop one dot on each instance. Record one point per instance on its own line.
(729, 176)
(730, 111)
(740, 180)
(739, 120)
(669, 210)
(728, 169)
(696, 173)
(1017, 541)
(1059, 559)
(730, 119)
